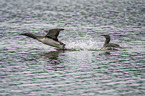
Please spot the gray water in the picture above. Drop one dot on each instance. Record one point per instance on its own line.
(30, 68)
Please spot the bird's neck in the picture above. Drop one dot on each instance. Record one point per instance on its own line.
(107, 41)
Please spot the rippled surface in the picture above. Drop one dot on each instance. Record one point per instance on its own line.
(28, 67)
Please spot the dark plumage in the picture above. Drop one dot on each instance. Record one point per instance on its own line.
(107, 44)
(53, 33)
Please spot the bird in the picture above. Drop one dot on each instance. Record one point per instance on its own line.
(49, 39)
(109, 45)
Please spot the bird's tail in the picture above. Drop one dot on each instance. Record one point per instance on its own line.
(30, 35)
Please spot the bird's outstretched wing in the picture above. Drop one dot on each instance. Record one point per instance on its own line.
(53, 33)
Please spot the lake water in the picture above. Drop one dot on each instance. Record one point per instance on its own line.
(30, 68)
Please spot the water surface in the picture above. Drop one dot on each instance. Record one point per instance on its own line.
(30, 68)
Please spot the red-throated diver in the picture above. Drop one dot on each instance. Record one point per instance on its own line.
(49, 39)
(107, 44)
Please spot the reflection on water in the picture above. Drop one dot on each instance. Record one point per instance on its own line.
(107, 53)
(53, 56)
(53, 61)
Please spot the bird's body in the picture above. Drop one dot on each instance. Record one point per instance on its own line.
(107, 44)
(51, 42)
(111, 45)
(50, 39)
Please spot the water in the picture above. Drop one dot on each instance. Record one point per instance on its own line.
(30, 68)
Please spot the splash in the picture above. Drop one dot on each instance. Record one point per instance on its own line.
(83, 44)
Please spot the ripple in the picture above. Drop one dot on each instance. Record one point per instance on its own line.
(29, 67)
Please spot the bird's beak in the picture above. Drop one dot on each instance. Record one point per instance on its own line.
(60, 29)
(46, 30)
